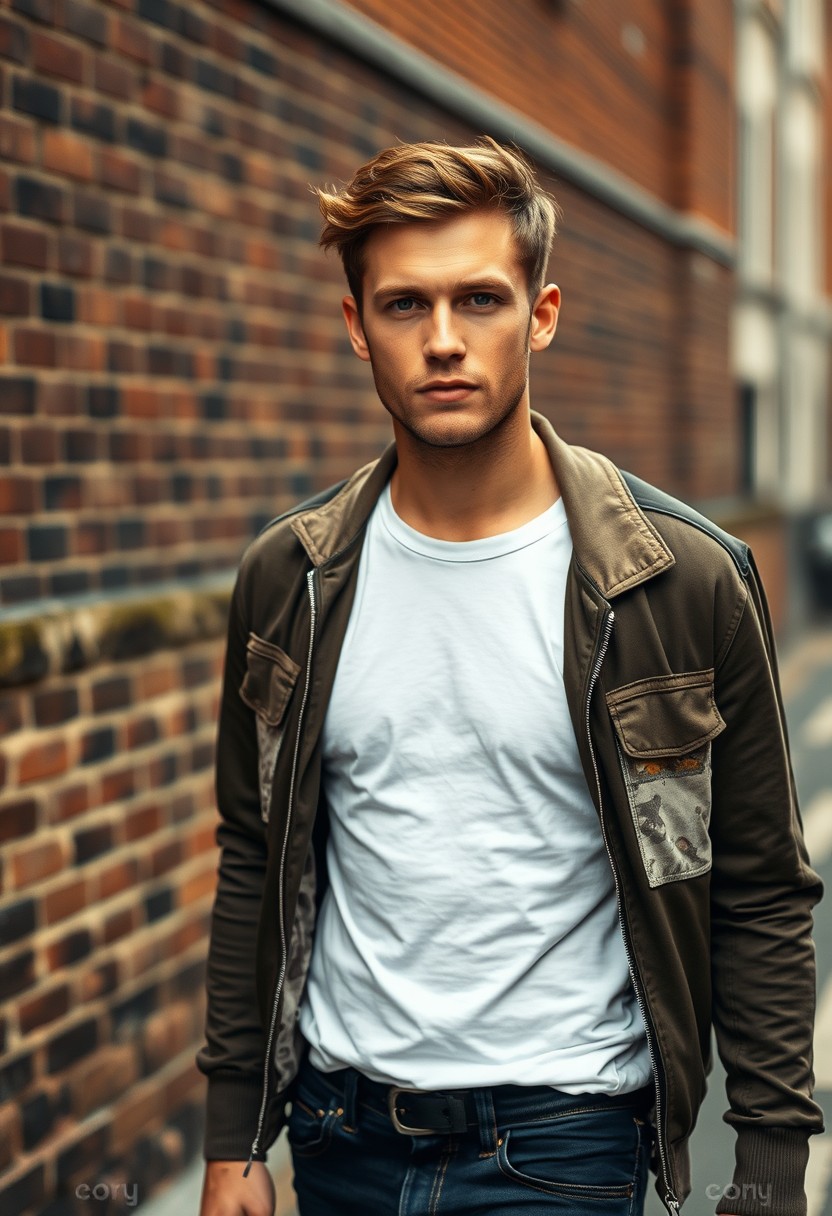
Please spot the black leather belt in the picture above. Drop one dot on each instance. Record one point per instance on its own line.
(416, 1113)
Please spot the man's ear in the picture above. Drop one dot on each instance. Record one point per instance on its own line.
(544, 317)
(355, 329)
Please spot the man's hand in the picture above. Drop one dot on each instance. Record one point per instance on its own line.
(225, 1192)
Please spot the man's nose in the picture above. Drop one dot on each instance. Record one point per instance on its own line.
(444, 338)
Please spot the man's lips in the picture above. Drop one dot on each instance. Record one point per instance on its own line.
(448, 390)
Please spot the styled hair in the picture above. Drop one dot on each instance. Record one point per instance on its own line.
(432, 181)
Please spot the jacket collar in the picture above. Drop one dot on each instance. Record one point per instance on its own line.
(615, 544)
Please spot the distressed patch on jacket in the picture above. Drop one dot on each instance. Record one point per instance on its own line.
(289, 1044)
(670, 801)
(269, 739)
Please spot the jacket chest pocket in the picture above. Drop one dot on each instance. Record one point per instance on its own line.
(266, 688)
(664, 728)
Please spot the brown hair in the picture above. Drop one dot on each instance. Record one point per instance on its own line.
(431, 181)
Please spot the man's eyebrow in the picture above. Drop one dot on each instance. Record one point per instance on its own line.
(389, 291)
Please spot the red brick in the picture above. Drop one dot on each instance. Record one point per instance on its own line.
(131, 39)
(119, 924)
(18, 495)
(68, 154)
(12, 547)
(43, 1008)
(66, 901)
(17, 140)
(43, 761)
(36, 862)
(21, 246)
(75, 255)
(68, 803)
(118, 876)
(54, 57)
(35, 347)
(142, 822)
(15, 295)
(114, 77)
(18, 819)
(118, 171)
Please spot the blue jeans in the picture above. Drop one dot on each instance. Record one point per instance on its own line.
(527, 1149)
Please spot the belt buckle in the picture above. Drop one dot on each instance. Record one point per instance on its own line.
(455, 1111)
(392, 1098)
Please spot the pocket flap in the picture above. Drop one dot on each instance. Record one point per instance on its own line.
(666, 715)
(269, 680)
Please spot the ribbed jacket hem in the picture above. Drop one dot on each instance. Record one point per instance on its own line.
(232, 1107)
(769, 1174)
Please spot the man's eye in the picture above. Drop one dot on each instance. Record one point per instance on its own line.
(405, 304)
(482, 299)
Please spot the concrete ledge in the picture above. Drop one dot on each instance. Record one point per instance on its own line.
(53, 636)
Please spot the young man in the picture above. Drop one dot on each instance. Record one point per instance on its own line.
(507, 814)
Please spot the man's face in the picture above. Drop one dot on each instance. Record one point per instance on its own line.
(447, 325)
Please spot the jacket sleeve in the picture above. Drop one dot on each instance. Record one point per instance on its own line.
(232, 1057)
(762, 893)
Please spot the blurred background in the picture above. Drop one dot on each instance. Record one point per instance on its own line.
(174, 372)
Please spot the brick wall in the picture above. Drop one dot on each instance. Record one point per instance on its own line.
(173, 371)
(645, 87)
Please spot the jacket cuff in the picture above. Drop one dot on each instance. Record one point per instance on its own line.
(769, 1173)
(231, 1112)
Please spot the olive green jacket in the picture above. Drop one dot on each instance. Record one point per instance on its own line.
(672, 686)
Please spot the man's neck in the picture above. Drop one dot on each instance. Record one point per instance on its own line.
(481, 489)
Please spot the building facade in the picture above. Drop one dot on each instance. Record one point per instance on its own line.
(174, 372)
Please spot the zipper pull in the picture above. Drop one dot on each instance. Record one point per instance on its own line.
(250, 1159)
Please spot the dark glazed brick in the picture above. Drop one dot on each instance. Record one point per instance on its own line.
(214, 79)
(231, 167)
(160, 904)
(113, 577)
(15, 1076)
(19, 589)
(17, 395)
(92, 842)
(26, 1193)
(40, 100)
(70, 582)
(193, 27)
(80, 446)
(154, 274)
(38, 10)
(111, 693)
(59, 705)
(146, 138)
(93, 118)
(17, 920)
(72, 1045)
(18, 819)
(161, 12)
(85, 21)
(47, 542)
(130, 533)
(260, 60)
(118, 265)
(17, 974)
(92, 212)
(173, 191)
(175, 62)
(57, 302)
(103, 400)
(38, 200)
(98, 745)
(214, 406)
(38, 1118)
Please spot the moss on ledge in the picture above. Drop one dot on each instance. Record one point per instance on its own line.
(52, 636)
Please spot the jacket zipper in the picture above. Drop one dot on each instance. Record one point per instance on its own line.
(310, 586)
(671, 1202)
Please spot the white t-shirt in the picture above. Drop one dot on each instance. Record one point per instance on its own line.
(469, 935)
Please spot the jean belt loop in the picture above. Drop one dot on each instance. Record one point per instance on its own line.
(350, 1123)
(486, 1121)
